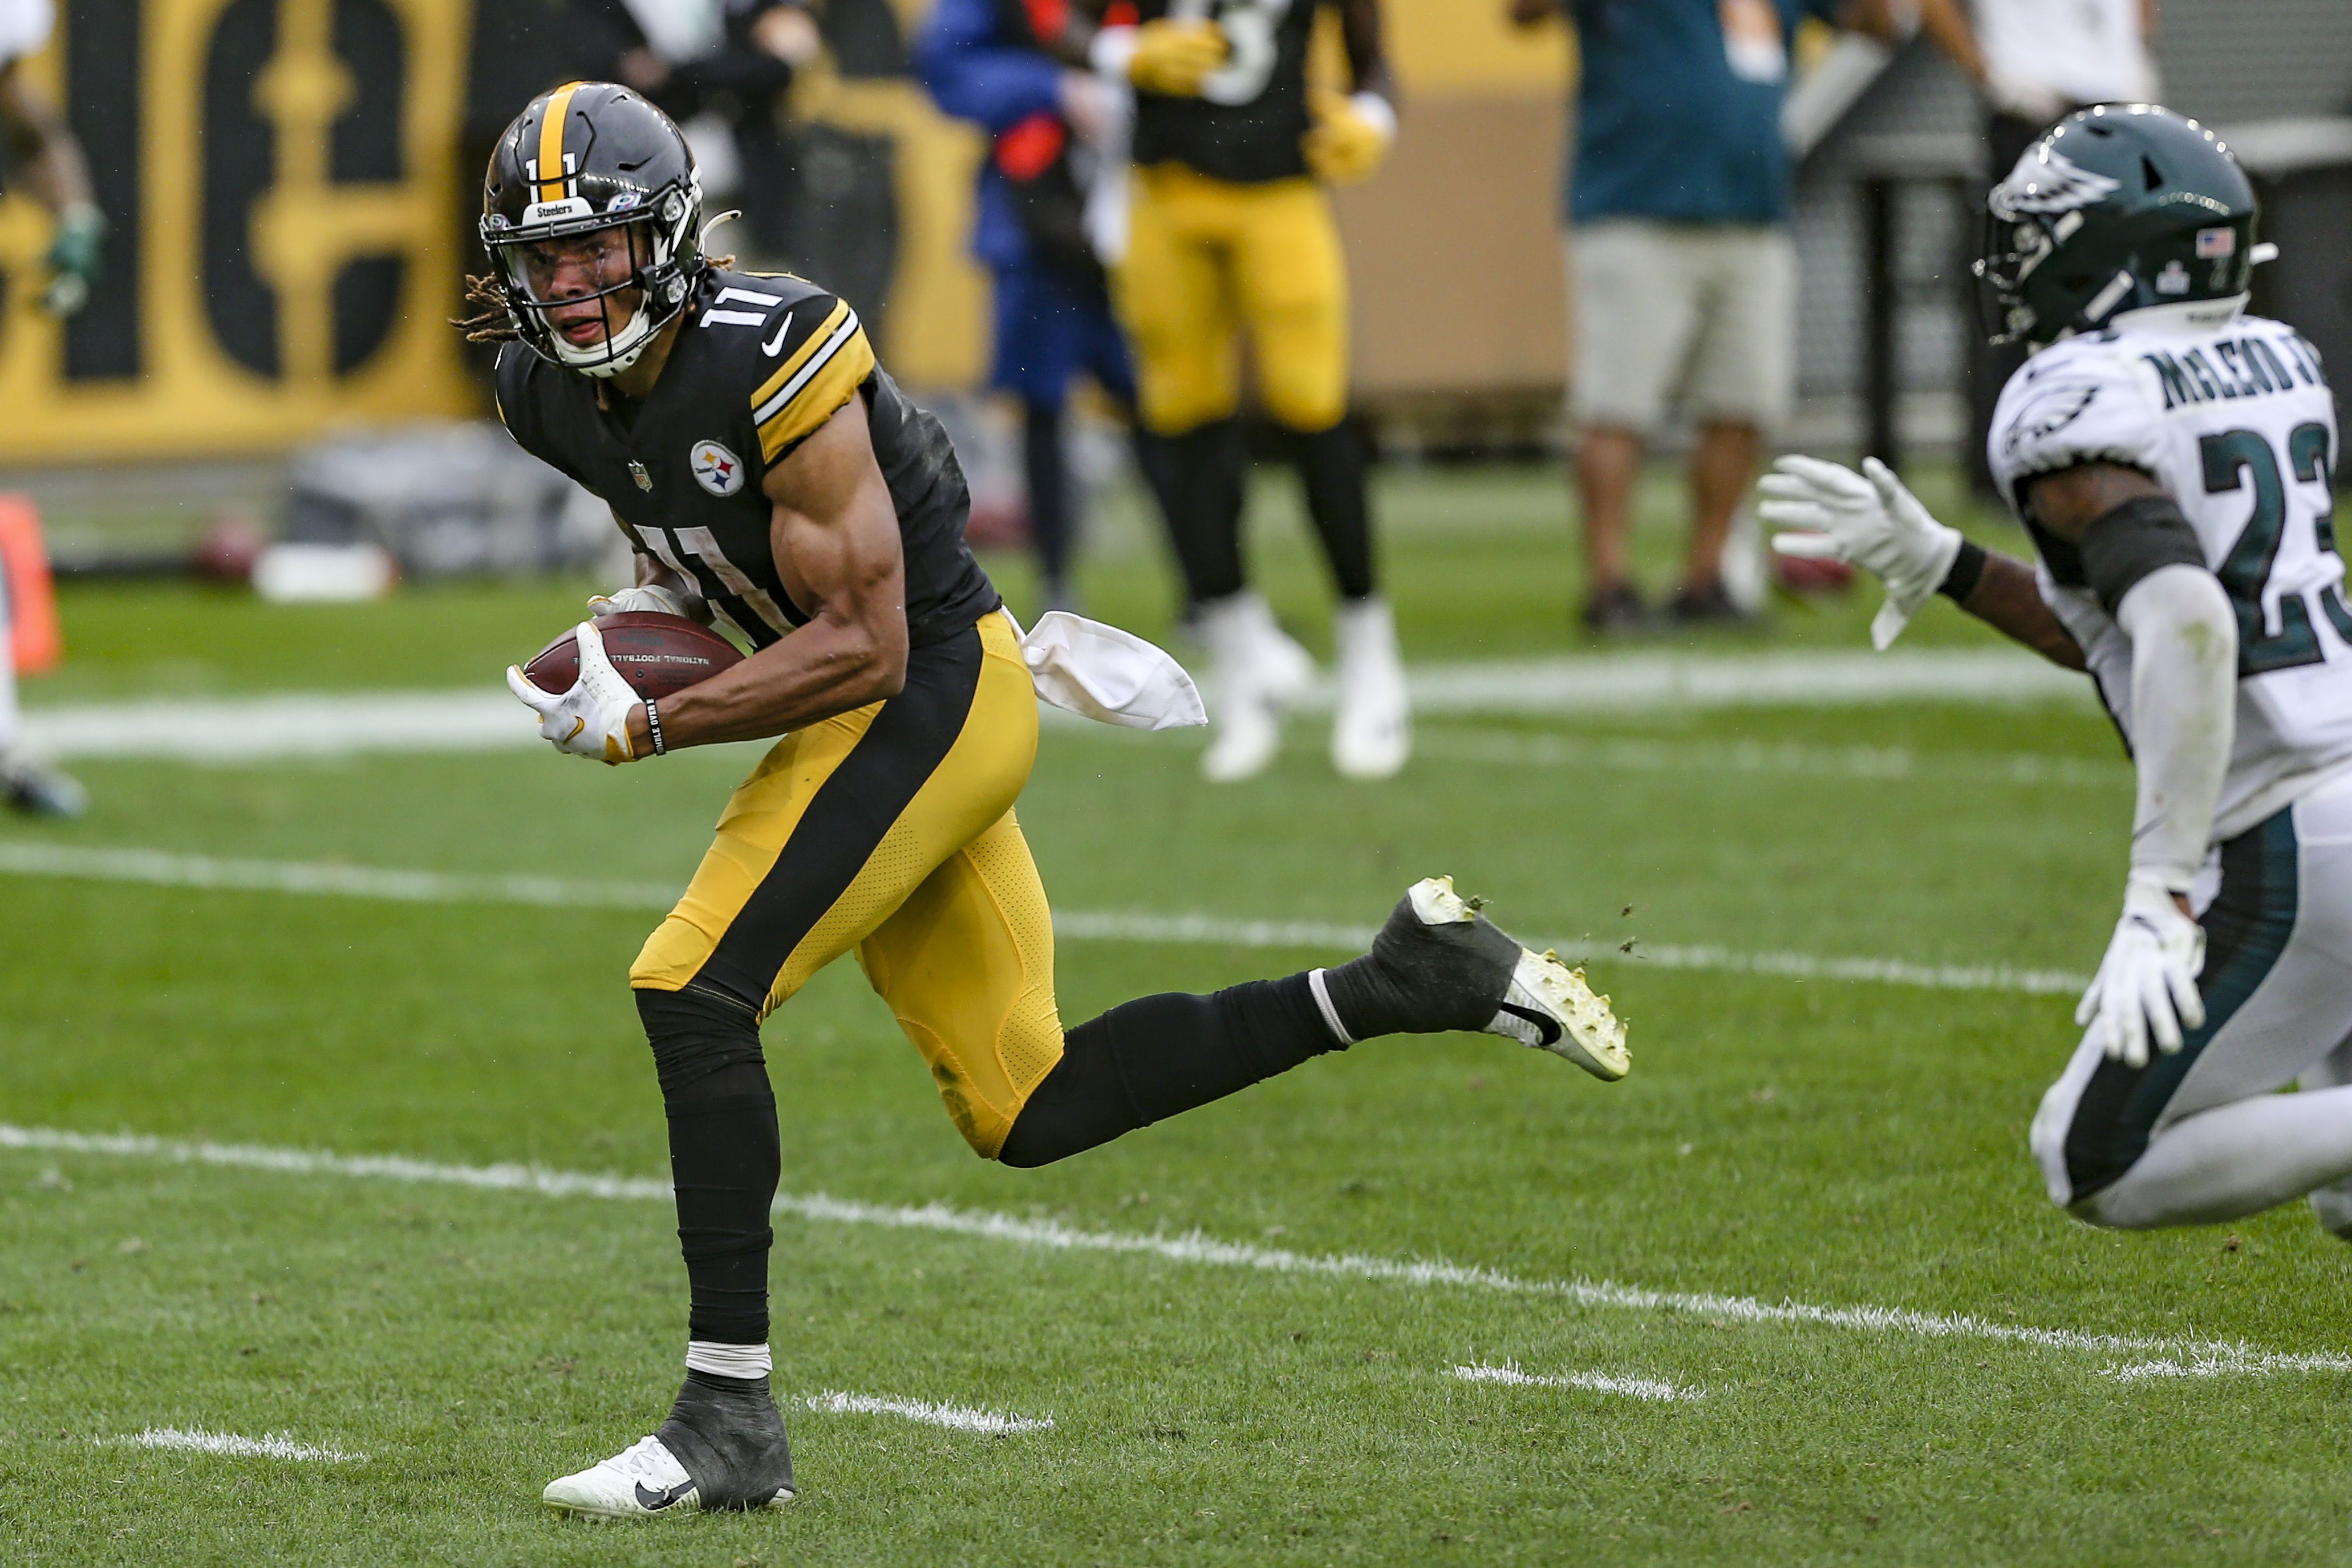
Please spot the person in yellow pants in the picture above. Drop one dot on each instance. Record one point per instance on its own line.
(770, 475)
(1231, 236)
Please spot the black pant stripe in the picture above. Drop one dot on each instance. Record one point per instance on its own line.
(2246, 928)
(847, 818)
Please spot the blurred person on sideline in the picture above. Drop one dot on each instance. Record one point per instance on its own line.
(1685, 277)
(717, 67)
(1056, 133)
(40, 150)
(2034, 62)
(1229, 234)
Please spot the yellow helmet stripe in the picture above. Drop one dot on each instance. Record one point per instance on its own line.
(551, 141)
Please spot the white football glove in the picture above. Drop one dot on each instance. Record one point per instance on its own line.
(1866, 519)
(591, 719)
(2146, 985)
(631, 601)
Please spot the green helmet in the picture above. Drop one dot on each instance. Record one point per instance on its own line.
(2117, 207)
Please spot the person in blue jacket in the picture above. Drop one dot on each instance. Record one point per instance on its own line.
(983, 60)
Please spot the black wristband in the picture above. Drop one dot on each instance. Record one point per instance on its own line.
(652, 727)
(1968, 567)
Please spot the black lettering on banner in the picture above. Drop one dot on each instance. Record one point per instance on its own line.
(105, 64)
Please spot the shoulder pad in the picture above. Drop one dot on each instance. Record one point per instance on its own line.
(2087, 400)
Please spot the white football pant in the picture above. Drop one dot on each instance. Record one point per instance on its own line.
(2203, 1135)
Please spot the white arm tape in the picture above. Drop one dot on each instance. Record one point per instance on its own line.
(1112, 52)
(2184, 637)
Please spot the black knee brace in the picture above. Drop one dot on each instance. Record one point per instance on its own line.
(695, 1034)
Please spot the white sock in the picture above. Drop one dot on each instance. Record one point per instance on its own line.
(729, 1360)
(2234, 1160)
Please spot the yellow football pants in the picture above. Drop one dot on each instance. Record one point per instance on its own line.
(889, 830)
(1207, 259)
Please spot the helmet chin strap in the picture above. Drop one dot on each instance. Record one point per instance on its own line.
(620, 350)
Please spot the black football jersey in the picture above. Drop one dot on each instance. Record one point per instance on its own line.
(760, 362)
(1245, 126)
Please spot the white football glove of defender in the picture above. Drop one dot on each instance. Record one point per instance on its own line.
(632, 600)
(591, 719)
(2148, 982)
(1866, 519)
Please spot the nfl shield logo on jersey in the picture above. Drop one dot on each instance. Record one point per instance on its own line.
(716, 469)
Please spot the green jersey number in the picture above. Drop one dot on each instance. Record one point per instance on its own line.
(2232, 460)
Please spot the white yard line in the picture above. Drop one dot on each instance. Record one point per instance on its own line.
(955, 1417)
(162, 868)
(1598, 1382)
(2187, 1355)
(195, 1439)
(486, 717)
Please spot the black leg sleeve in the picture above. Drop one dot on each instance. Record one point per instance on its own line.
(1146, 1059)
(1333, 464)
(724, 1156)
(1207, 468)
(1052, 525)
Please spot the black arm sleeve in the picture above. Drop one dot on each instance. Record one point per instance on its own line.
(2138, 537)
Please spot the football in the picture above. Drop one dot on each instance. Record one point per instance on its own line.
(657, 654)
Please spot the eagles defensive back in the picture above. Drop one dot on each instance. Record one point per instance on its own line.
(769, 473)
(2172, 457)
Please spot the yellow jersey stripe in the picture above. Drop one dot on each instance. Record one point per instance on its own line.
(830, 379)
(550, 142)
(776, 385)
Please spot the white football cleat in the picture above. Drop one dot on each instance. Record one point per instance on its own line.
(641, 1479)
(1256, 670)
(1371, 728)
(1438, 964)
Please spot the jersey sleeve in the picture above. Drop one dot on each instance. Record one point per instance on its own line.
(2082, 401)
(822, 359)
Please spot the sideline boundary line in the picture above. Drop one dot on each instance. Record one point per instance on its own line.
(162, 868)
(2161, 1356)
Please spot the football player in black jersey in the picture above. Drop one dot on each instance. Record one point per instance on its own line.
(1230, 234)
(769, 473)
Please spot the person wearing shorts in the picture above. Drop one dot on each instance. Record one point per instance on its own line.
(1683, 291)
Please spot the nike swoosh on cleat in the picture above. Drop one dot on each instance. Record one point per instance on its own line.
(1546, 1025)
(775, 344)
(653, 1501)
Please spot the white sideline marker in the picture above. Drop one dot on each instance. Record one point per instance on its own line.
(195, 1439)
(1598, 1382)
(163, 868)
(2168, 1356)
(955, 1417)
(238, 729)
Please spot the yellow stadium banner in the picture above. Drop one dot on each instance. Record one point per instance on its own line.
(281, 182)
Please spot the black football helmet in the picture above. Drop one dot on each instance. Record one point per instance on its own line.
(593, 159)
(2117, 207)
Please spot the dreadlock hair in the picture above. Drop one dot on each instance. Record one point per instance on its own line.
(493, 317)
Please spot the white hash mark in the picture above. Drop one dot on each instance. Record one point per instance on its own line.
(955, 1417)
(1598, 1382)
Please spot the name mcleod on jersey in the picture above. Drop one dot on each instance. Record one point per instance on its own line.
(760, 362)
(2240, 367)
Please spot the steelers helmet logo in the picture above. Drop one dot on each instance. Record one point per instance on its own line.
(716, 469)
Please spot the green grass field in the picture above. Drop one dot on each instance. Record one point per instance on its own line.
(1824, 1142)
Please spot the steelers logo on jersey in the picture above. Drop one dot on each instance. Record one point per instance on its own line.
(716, 469)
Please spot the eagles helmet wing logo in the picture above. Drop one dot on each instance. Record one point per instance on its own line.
(2046, 181)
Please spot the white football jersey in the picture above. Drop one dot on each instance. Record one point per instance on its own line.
(23, 28)
(2236, 421)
